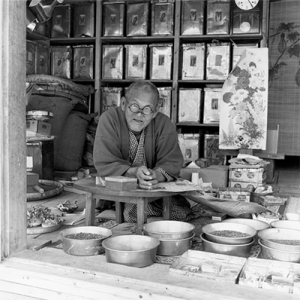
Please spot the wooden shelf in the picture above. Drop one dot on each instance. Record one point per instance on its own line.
(73, 41)
(182, 124)
(137, 39)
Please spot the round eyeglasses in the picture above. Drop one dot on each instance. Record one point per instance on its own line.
(134, 108)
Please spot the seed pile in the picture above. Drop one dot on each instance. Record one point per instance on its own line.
(286, 242)
(229, 233)
(84, 236)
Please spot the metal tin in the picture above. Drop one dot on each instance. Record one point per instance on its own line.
(113, 18)
(218, 16)
(137, 19)
(136, 61)
(190, 146)
(61, 61)
(84, 20)
(110, 97)
(83, 62)
(193, 56)
(217, 61)
(31, 48)
(212, 98)
(42, 58)
(162, 17)
(160, 61)
(43, 29)
(189, 105)
(61, 21)
(192, 17)
(211, 149)
(112, 64)
(165, 97)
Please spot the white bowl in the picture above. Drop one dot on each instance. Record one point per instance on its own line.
(286, 224)
(256, 224)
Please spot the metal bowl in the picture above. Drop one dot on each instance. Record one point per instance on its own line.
(246, 229)
(174, 247)
(242, 250)
(256, 224)
(168, 230)
(286, 224)
(275, 254)
(279, 239)
(84, 247)
(131, 250)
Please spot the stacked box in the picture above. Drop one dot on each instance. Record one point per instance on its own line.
(61, 61)
(61, 21)
(83, 62)
(31, 48)
(37, 128)
(217, 61)
(42, 58)
(212, 99)
(234, 194)
(192, 17)
(136, 61)
(162, 21)
(137, 19)
(189, 105)
(84, 20)
(112, 64)
(110, 97)
(189, 146)
(160, 61)
(193, 56)
(165, 96)
(113, 19)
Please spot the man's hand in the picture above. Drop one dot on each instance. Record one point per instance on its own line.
(147, 178)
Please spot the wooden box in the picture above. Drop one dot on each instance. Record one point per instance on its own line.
(219, 267)
(271, 275)
(120, 183)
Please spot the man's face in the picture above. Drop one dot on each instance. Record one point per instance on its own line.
(138, 121)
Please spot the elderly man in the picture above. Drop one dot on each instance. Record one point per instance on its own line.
(136, 140)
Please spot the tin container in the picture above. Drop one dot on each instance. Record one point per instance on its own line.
(61, 61)
(217, 61)
(192, 17)
(44, 28)
(212, 98)
(162, 17)
(193, 56)
(84, 20)
(42, 58)
(234, 194)
(165, 97)
(189, 105)
(83, 62)
(112, 64)
(31, 49)
(211, 149)
(137, 19)
(110, 97)
(113, 19)
(190, 146)
(218, 16)
(136, 61)
(61, 21)
(160, 61)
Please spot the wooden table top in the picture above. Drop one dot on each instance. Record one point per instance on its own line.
(89, 185)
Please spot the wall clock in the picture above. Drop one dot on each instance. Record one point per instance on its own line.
(246, 4)
(246, 16)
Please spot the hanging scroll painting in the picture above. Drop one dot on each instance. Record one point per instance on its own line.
(244, 105)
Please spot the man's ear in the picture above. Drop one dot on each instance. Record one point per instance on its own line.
(123, 103)
(156, 112)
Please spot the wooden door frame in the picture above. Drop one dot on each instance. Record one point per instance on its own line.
(12, 128)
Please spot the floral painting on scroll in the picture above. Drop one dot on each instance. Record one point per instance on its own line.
(244, 105)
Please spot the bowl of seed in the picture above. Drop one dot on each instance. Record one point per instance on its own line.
(229, 233)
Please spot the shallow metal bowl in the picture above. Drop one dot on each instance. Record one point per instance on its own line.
(174, 247)
(246, 229)
(286, 224)
(131, 250)
(84, 247)
(256, 224)
(242, 250)
(169, 229)
(275, 254)
(279, 238)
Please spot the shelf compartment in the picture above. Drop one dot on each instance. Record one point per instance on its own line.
(73, 41)
(137, 39)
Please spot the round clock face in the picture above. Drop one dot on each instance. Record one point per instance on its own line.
(246, 4)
